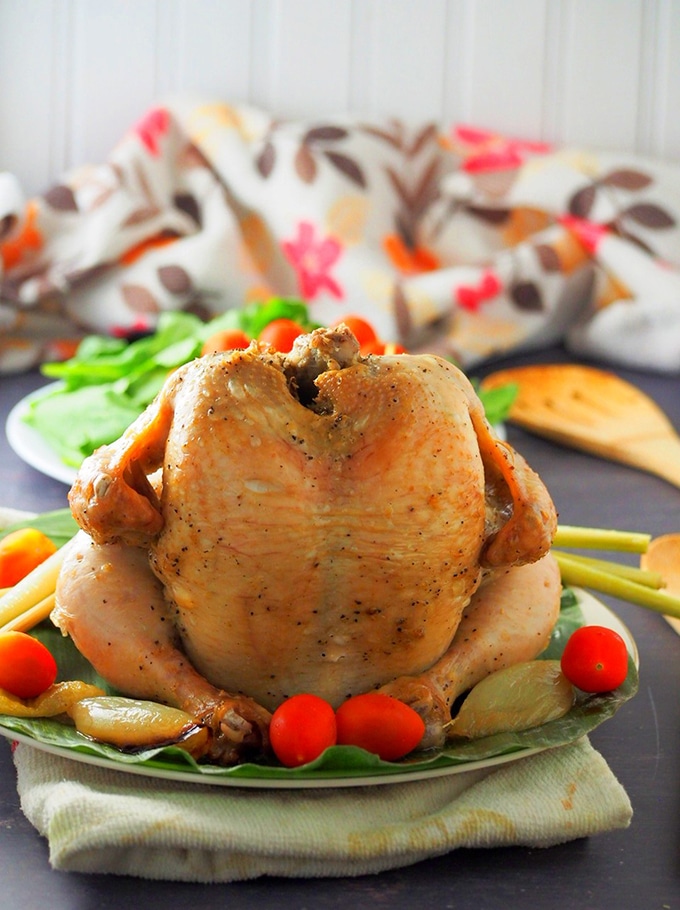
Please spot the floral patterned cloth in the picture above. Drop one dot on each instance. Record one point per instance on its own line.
(464, 242)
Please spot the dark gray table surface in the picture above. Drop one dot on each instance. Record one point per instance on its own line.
(638, 868)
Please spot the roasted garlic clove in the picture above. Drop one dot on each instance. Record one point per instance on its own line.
(132, 724)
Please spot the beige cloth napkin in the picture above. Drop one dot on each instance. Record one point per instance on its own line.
(97, 820)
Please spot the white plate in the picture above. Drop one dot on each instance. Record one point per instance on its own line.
(594, 612)
(30, 445)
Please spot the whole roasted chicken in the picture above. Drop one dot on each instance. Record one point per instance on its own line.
(317, 521)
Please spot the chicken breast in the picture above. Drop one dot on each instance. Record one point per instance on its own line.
(320, 522)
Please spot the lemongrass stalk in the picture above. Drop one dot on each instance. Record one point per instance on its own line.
(31, 617)
(601, 539)
(575, 572)
(633, 573)
(31, 590)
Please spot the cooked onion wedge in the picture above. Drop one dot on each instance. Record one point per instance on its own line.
(520, 697)
(132, 724)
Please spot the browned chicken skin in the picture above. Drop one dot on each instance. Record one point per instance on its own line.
(321, 522)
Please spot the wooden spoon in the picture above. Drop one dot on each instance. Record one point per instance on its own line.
(594, 410)
(663, 556)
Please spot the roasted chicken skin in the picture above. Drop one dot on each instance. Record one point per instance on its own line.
(316, 521)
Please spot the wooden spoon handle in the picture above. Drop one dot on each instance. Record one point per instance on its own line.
(657, 456)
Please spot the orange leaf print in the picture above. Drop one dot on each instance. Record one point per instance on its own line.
(145, 246)
(409, 261)
(258, 242)
(14, 250)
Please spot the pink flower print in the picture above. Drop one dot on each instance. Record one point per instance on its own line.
(471, 297)
(151, 128)
(312, 260)
(487, 151)
(588, 233)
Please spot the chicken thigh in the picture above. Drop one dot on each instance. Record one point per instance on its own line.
(317, 521)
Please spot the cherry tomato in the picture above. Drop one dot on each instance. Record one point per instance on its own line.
(301, 728)
(383, 347)
(281, 333)
(21, 552)
(363, 331)
(380, 724)
(27, 668)
(226, 340)
(595, 659)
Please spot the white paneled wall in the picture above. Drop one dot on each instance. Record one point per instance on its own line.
(74, 74)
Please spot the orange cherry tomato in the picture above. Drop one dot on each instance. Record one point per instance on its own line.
(301, 728)
(27, 668)
(380, 724)
(281, 333)
(21, 552)
(595, 659)
(226, 340)
(362, 330)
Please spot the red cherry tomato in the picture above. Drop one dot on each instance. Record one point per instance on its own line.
(383, 347)
(301, 728)
(281, 333)
(27, 668)
(380, 724)
(595, 659)
(226, 340)
(363, 331)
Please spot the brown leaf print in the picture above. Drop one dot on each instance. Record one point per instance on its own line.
(632, 238)
(649, 215)
(427, 134)
(405, 229)
(145, 186)
(102, 197)
(547, 256)
(490, 216)
(198, 308)
(626, 179)
(395, 137)
(140, 215)
(174, 279)
(7, 225)
(266, 159)
(188, 204)
(494, 184)
(139, 299)
(526, 296)
(150, 209)
(76, 276)
(325, 134)
(402, 312)
(427, 188)
(581, 203)
(191, 156)
(305, 165)
(61, 198)
(398, 184)
(416, 199)
(347, 166)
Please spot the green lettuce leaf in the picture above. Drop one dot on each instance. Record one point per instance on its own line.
(59, 525)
